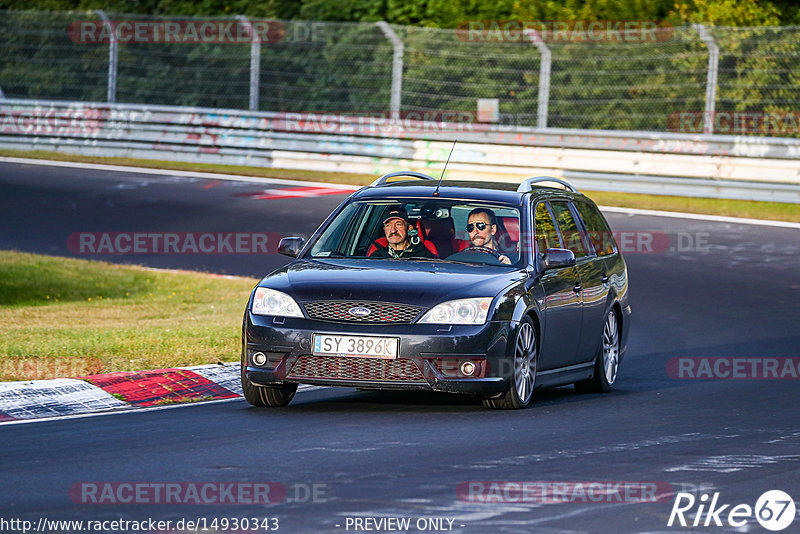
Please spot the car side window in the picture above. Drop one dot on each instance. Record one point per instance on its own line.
(599, 233)
(569, 229)
(334, 236)
(546, 234)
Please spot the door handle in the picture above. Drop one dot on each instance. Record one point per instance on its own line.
(577, 288)
(604, 279)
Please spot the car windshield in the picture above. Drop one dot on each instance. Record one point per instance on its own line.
(430, 229)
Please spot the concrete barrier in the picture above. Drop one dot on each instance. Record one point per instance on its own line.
(645, 162)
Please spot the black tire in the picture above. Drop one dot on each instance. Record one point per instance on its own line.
(272, 396)
(523, 380)
(606, 363)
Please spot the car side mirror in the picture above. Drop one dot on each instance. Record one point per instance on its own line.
(557, 257)
(291, 246)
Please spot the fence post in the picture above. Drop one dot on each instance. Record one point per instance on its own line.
(397, 67)
(255, 63)
(113, 52)
(544, 78)
(711, 82)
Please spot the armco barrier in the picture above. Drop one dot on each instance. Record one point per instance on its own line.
(646, 162)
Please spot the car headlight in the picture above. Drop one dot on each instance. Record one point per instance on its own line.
(462, 311)
(271, 302)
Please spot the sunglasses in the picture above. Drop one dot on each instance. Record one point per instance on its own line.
(480, 225)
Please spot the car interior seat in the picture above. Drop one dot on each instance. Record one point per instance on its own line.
(440, 232)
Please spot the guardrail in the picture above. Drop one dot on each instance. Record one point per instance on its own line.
(644, 162)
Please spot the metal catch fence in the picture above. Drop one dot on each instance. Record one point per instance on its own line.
(688, 79)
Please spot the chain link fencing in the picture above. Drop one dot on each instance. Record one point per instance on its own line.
(673, 81)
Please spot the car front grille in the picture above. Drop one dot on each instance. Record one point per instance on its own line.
(368, 369)
(380, 312)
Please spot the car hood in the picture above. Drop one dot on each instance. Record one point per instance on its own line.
(420, 283)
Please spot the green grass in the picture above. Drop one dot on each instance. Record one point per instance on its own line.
(67, 317)
(734, 208)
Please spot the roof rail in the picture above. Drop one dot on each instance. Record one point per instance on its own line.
(525, 186)
(412, 175)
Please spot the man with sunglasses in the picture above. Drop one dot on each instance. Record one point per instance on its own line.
(482, 226)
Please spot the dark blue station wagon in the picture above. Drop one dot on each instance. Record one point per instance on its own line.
(488, 289)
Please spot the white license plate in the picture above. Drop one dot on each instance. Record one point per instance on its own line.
(360, 346)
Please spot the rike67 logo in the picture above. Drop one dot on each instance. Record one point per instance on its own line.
(774, 510)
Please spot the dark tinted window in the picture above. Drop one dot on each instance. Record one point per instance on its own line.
(599, 233)
(546, 234)
(569, 228)
(359, 229)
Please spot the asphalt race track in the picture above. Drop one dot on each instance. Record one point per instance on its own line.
(726, 292)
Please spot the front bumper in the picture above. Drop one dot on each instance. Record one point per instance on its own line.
(429, 355)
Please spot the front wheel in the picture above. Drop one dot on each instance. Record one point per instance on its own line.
(520, 392)
(272, 396)
(606, 363)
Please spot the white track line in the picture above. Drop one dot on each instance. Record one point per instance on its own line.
(700, 217)
(343, 187)
(184, 174)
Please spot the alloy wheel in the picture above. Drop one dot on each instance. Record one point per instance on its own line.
(610, 347)
(525, 362)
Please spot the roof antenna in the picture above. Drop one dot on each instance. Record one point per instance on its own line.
(436, 192)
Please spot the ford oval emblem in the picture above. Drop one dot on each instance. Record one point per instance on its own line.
(359, 311)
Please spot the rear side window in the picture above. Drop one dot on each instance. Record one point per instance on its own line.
(599, 233)
(569, 228)
(546, 233)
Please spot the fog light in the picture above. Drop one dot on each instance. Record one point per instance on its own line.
(467, 368)
(259, 358)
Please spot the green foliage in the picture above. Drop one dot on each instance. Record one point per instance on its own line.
(32, 64)
(729, 12)
(449, 13)
(593, 10)
(297, 73)
(347, 66)
(758, 73)
(349, 10)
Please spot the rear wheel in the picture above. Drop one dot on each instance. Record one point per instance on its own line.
(606, 363)
(520, 393)
(273, 396)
